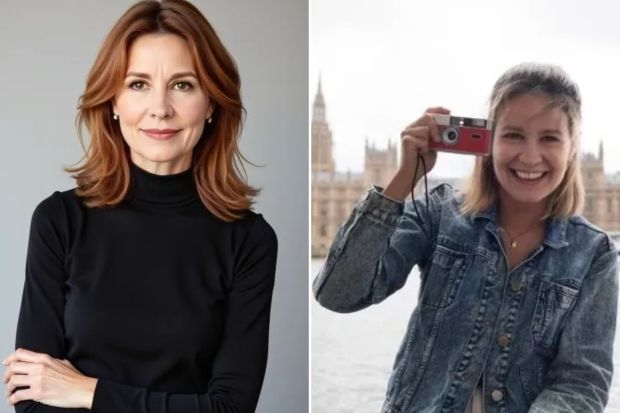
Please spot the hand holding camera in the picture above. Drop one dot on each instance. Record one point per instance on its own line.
(435, 131)
(415, 139)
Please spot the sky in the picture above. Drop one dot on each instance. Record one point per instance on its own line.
(382, 63)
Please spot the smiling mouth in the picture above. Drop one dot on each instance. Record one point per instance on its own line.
(527, 175)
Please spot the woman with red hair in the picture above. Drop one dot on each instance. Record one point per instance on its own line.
(148, 287)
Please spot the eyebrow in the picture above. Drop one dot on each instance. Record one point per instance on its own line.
(174, 76)
(545, 131)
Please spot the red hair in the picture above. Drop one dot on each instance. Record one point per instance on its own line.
(104, 178)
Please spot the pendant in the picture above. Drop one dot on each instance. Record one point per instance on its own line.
(513, 244)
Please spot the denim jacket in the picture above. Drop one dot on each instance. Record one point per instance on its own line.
(540, 336)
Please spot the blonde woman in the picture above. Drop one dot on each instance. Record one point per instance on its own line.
(518, 296)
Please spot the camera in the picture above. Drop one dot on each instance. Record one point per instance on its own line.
(463, 135)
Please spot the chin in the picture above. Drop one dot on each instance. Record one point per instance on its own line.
(532, 199)
(161, 156)
(532, 196)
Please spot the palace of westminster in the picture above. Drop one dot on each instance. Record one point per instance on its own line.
(335, 193)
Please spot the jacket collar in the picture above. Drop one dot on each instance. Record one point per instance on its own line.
(555, 235)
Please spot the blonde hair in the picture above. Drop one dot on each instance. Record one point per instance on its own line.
(104, 178)
(567, 199)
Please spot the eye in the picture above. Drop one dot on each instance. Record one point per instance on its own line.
(183, 86)
(512, 135)
(137, 85)
(550, 138)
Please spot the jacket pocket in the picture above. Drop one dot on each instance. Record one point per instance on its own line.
(554, 302)
(531, 376)
(442, 277)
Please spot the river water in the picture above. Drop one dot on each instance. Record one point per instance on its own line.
(352, 354)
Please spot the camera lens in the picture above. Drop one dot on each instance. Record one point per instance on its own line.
(450, 136)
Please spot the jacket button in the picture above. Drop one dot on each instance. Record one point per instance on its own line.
(497, 395)
(515, 284)
(503, 341)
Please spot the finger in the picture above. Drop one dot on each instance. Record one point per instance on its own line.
(9, 358)
(19, 380)
(414, 140)
(421, 131)
(426, 127)
(19, 367)
(20, 395)
(21, 354)
(434, 130)
(438, 110)
(413, 145)
(11, 369)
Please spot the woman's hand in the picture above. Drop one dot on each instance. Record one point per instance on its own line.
(52, 381)
(414, 139)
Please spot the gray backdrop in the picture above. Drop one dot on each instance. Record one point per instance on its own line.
(46, 50)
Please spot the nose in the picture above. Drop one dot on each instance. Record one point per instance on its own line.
(530, 155)
(159, 105)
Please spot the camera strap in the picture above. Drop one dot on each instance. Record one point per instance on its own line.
(415, 175)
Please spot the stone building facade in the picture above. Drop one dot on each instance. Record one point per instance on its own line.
(602, 203)
(335, 193)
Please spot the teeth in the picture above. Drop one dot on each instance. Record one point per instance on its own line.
(529, 175)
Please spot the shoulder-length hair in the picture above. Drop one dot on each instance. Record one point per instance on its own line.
(551, 81)
(104, 178)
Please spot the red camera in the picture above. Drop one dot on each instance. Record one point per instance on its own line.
(463, 135)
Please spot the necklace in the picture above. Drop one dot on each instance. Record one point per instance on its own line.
(513, 240)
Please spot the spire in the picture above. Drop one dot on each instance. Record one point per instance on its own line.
(600, 151)
(318, 111)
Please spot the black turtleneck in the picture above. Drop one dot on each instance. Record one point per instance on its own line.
(162, 302)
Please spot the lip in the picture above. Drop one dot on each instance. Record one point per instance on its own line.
(160, 134)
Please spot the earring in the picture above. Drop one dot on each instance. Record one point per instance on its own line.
(115, 116)
(209, 120)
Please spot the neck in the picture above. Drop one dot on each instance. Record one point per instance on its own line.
(171, 167)
(170, 189)
(513, 214)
